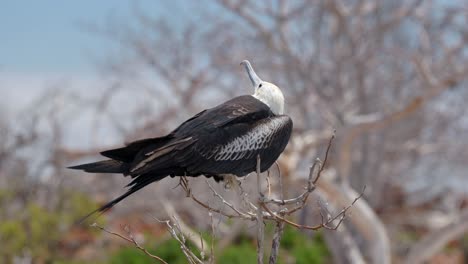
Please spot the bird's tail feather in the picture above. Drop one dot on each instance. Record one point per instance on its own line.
(143, 181)
(105, 166)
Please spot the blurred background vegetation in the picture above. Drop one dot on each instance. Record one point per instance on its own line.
(389, 76)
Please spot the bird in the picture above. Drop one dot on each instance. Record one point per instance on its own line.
(223, 140)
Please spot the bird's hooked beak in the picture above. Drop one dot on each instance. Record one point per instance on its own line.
(252, 75)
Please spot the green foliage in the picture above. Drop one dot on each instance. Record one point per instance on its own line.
(244, 252)
(35, 229)
(169, 250)
(207, 237)
(77, 206)
(4, 196)
(408, 236)
(295, 244)
(12, 237)
(43, 230)
(71, 261)
(131, 255)
(303, 248)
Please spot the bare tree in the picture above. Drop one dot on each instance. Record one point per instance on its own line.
(387, 75)
(259, 211)
(374, 71)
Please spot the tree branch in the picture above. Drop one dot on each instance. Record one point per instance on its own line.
(260, 224)
(132, 240)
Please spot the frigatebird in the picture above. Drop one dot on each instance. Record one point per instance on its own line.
(224, 140)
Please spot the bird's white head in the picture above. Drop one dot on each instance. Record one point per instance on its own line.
(266, 92)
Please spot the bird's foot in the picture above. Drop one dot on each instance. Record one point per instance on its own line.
(184, 183)
(231, 182)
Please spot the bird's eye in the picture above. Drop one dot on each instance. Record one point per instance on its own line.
(260, 85)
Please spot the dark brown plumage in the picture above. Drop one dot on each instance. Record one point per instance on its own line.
(222, 140)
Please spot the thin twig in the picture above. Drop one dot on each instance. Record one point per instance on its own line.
(202, 250)
(325, 159)
(178, 235)
(268, 183)
(302, 198)
(260, 226)
(280, 181)
(247, 216)
(310, 182)
(310, 188)
(212, 256)
(224, 200)
(325, 224)
(131, 240)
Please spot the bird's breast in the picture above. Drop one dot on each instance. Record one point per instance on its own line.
(245, 145)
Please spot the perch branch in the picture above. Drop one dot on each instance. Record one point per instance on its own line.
(260, 226)
(325, 224)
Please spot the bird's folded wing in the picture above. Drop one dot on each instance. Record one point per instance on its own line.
(242, 109)
(235, 146)
(159, 159)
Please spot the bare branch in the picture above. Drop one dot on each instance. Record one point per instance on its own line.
(325, 224)
(239, 214)
(176, 233)
(184, 229)
(212, 256)
(260, 224)
(132, 240)
(301, 200)
(275, 244)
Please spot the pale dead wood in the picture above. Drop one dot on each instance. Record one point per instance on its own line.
(212, 256)
(184, 229)
(174, 229)
(260, 211)
(344, 246)
(276, 242)
(279, 227)
(435, 241)
(325, 223)
(368, 223)
(260, 224)
(311, 182)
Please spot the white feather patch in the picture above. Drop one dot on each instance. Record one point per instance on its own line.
(258, 138)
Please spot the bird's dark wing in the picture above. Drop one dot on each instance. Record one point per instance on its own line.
(128, 153)
(224, 139)
(219, 121)
(240, 109)
(233, 148)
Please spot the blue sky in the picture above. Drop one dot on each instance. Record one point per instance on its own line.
(41, 37)
(46, 42)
